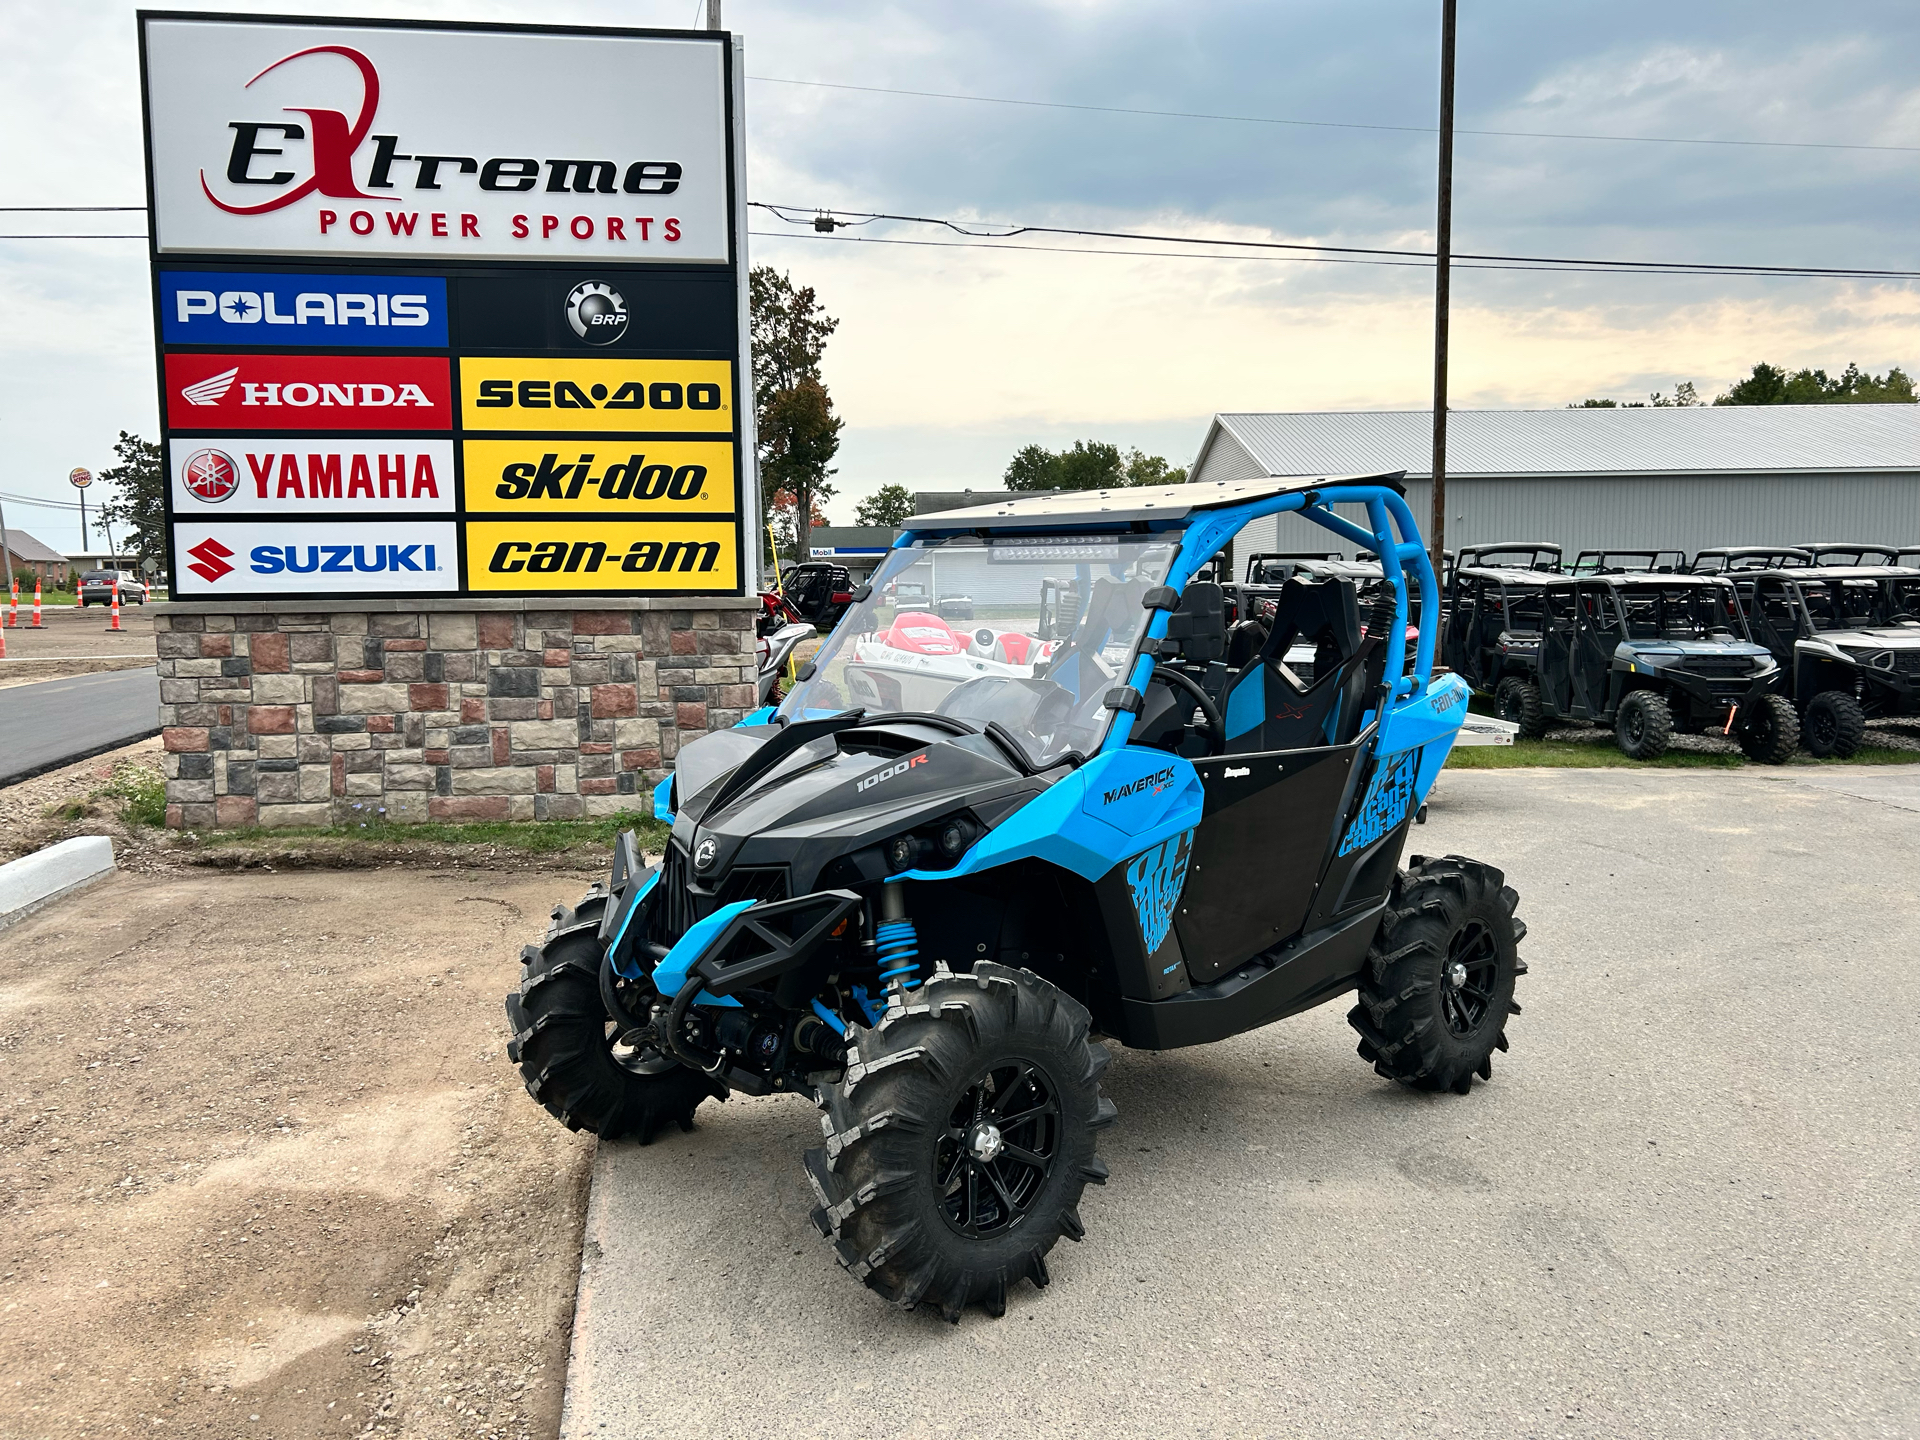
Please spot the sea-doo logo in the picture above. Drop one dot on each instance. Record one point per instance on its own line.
(210, 475)
(704, 854)
(597, 312)
(210, 560)
(1146, 784)
(877, 777)
(566, 395)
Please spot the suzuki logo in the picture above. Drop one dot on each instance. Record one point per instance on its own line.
(210, 391)
(210, 558)
(334, 142)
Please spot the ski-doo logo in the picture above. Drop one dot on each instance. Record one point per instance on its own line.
(1146, 784)
(877, 777)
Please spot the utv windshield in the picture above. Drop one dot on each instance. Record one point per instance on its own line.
(1681, 612)
(1052, 622)
(1842, 604)
(1904, 598)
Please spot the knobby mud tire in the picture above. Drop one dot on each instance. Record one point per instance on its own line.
(1834, 726)
(562, 1046)
(1408, 1028)
(1518, 701)
(1770, 733)
(1643, 726)
(881, 1201)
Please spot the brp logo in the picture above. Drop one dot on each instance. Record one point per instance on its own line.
(210, 560)
(597, 312)
(704, 853)
(210, 475)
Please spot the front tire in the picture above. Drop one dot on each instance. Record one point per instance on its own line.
(1769, 730)
(960, 1138)
(570, 1056)
(1437, 987)
(1834, 725)
(1643, 725)
(1518, 701)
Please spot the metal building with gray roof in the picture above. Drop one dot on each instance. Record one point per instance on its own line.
(1680, 478)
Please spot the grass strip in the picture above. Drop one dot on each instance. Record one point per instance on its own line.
(533, 837)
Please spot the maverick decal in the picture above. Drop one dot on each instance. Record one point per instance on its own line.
(215, 307)
(1389, 797)
(308, 392)
(1155, 878)
(337, 557)
(602, 555)
(684, 396)
(1147, 784)
(327, 477)
(660, 478)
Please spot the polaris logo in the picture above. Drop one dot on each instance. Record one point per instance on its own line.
(893, 770)
(1153, 783)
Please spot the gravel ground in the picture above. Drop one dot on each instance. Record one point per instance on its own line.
(1881, 734)
(265, 1170)
(76, 642)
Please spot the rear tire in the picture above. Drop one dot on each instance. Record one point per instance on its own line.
(1518, 701)
(1437, 987)
(1834, 725)
(1643, 725)
(564, 1044)
(914, 1207)
(1769, 730)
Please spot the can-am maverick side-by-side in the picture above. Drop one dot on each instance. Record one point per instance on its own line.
(1849, 638)
(925, 920)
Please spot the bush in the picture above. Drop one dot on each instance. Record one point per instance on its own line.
(144, 789)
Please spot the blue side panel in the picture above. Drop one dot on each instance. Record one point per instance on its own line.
(762, 716)
(623, 963)
(663, 801)
(1155, 880)
(1118, 803)
(1435, 716)
(1246, 705)
(1389, 798)
(671, 973)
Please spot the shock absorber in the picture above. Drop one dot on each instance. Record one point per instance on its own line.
(897, 945)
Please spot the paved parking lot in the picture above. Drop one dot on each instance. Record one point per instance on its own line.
(1687, 1205)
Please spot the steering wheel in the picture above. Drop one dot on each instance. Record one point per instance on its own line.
(1215, 730)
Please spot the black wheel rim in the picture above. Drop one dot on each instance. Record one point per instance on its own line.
(1633, 724)
(1001, 1139)
(1821, 727)
(1467, 979)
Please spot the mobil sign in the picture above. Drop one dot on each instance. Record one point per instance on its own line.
(417, 142)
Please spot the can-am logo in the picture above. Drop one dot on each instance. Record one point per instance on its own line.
(880, 776)
(319, 392)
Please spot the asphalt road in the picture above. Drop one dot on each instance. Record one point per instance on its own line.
(1687, 1205)
(59, 721)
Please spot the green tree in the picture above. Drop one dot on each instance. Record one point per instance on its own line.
(1088, 465)
(889, 505)
(139, 503)
(1772, 385)
(798, 432)
(1684, 396)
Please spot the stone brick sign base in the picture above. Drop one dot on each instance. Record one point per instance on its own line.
(303, 713)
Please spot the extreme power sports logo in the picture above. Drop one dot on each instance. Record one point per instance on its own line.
(377, 140)
(308, 392)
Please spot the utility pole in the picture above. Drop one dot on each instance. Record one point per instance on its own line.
(6, 550)
(1442, 285)
(713, 15)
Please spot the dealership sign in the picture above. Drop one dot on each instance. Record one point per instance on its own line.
(447, 308)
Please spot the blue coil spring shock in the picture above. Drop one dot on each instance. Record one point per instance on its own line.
(899, 949)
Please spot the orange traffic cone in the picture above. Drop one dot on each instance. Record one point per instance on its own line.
(116, 604)
(13, 609)
(36, 606)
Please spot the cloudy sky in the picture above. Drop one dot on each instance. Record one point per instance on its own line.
(948, 359)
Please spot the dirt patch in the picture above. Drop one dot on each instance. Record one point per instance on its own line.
(267, 1170)
(76, 642)
(31, 672)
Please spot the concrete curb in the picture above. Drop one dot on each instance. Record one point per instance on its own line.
(37, 880)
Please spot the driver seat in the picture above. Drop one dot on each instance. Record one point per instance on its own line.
(1265, 706)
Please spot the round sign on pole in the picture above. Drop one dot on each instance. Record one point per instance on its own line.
(80, 477)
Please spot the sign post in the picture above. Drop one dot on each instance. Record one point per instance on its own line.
(80, 478)
(424, 331)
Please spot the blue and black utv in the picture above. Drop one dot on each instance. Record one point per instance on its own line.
(918, 891)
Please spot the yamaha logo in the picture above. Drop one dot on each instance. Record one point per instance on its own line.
(597, 312)
(704, 854)
(210, 474)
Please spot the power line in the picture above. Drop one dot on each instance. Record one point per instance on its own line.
(13, 499)
(63, 209)
(1335, 124)
(814, 217)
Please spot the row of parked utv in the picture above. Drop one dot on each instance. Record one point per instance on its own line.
(1775, 646)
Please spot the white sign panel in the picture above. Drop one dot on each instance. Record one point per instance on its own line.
(422, 143)
(327, 475)
(262, 557)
